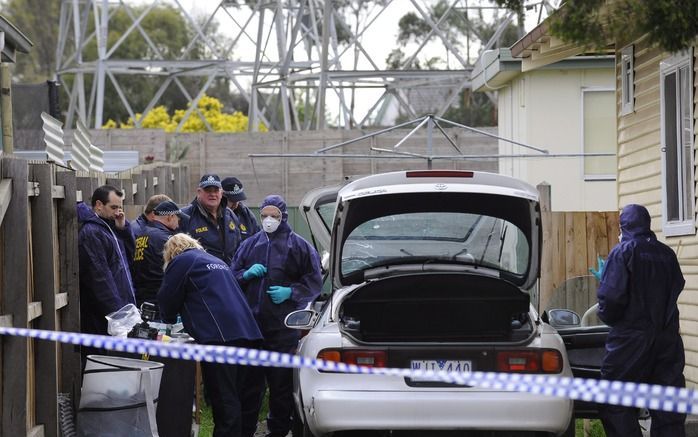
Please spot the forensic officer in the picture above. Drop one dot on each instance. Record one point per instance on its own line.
(211, 222)
(640, 285)
(234, 194)
(105, 245)
(203, 290)
(279, 272)
(147, 215)
(150, 241)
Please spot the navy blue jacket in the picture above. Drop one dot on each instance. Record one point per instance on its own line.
(202, 289)
(290, 261)
(105, 279)
(148, 262)
(220, 238)
(638, 297)
(248, 222)
(138, 224)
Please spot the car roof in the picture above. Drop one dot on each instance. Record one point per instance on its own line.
(440, 180)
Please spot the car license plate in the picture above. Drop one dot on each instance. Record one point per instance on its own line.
(439, 365)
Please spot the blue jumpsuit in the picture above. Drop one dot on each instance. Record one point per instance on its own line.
(638, 300)
(291, 262)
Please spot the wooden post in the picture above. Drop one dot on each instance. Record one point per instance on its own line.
(15, 252)
(139, 180)
(44, 259)
(546, 269)
(69, 315)
(163, 180)
(175, 184)
(149, 189)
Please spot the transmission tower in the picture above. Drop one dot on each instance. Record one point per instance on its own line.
(290, 59)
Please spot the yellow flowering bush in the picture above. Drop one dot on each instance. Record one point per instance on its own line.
(210, 107)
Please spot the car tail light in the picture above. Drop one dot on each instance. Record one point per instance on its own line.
(439, 174)
(359, 357)
(529, 361)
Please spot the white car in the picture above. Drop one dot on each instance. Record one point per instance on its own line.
(428, 270)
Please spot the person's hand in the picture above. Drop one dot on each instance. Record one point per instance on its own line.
(256, 271)
(120, 220)
(598, 273)
(279, 294)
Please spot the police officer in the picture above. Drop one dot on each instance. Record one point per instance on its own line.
(147, 215)
(640, 286)
(150, 241)
(203, 290)
(211, 222)
(234, 194)
(279, 272)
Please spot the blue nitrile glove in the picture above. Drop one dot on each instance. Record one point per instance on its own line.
(256, 271)
(599, 271)
(278, 294)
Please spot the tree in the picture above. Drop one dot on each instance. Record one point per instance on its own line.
(169, 30)
(210, 107)
(672, 25)
(37, 19)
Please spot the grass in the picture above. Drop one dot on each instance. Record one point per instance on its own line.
(595, 429)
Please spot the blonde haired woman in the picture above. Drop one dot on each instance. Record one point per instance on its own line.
(201, 288)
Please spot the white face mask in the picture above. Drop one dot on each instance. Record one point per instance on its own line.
(620, 237)
(270, 224)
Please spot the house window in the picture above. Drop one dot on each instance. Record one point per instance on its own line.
(627, 82)
(599, 133)
(678, 175)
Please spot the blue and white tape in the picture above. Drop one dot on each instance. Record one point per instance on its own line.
(654, 397)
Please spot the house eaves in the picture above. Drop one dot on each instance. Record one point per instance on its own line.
(12, 41)
(496, 68)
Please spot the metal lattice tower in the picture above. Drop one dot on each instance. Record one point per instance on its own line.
(284, 57)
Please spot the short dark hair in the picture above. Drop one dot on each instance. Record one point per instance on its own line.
(155, 201)
(102, 194)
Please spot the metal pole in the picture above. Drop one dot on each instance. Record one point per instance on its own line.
(326, 19)
(254, 108)
(102, 25)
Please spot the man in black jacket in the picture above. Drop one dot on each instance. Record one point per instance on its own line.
(234, 194)
(210, 222)
(150, 241)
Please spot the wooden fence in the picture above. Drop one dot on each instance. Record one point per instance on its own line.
(39, 278)
(571, 243)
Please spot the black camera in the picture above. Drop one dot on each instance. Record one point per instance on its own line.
(143, 330)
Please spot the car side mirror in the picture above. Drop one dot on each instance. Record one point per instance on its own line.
(561, 318)
(301, 319)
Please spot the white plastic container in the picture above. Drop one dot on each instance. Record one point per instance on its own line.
(119, 397)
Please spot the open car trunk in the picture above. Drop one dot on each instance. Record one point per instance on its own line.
(436, 307)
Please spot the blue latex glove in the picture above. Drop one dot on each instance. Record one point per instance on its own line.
(279, 294)
(256, 271)
(599, 270)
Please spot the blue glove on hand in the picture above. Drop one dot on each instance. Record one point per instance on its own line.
(278, 294)
(599, 271)
(256, 271)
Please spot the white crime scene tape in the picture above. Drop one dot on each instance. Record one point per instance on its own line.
(653, 397)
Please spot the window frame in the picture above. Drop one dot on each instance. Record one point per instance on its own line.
(594, 177)
(685, 225)
(627, 80)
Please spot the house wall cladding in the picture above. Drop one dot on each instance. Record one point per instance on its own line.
(640, 180)
(227, 154)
